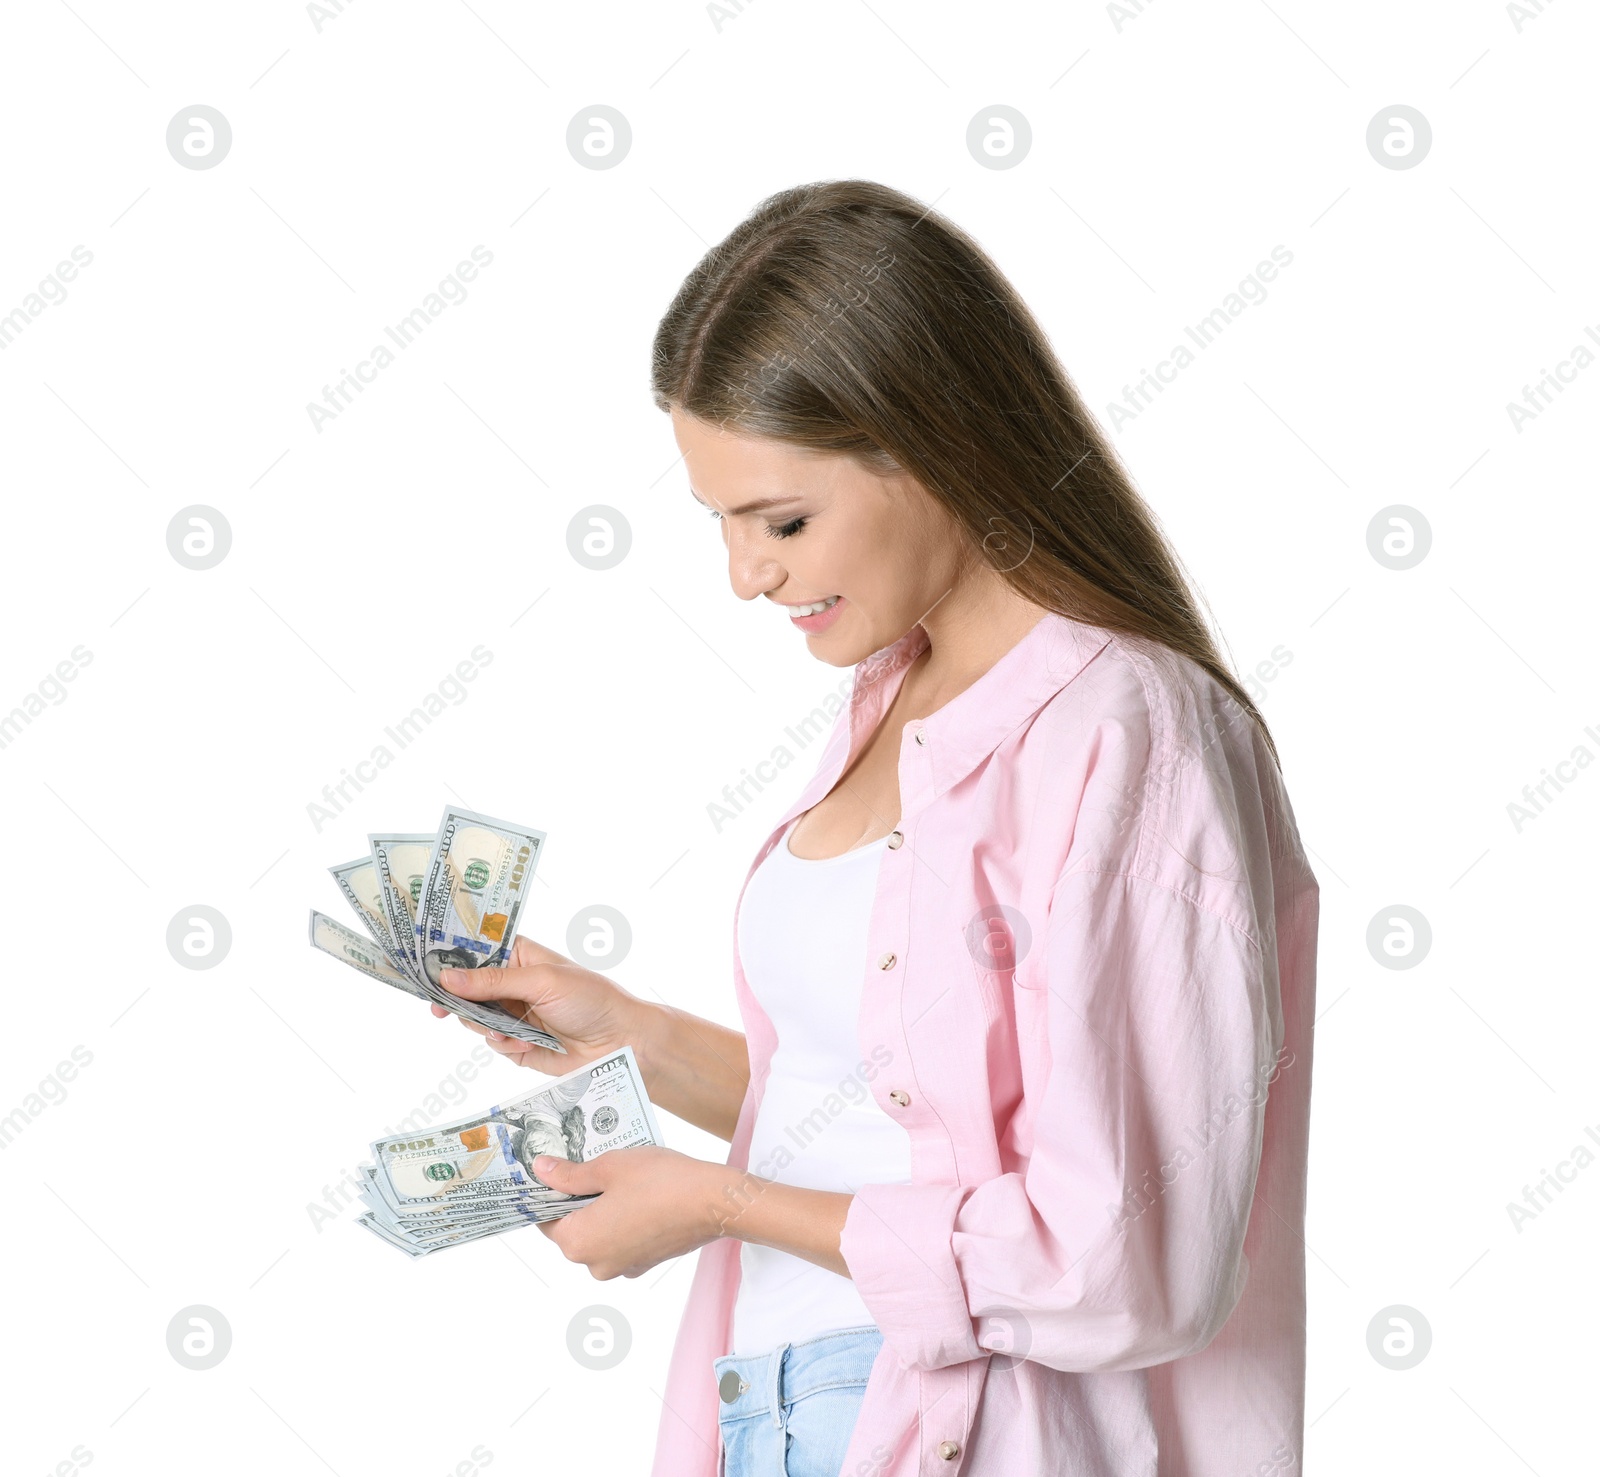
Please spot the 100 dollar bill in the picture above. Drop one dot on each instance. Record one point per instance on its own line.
(358, 881)
(359, 952)
(486, 1161)
(478, 876)
(401, 863)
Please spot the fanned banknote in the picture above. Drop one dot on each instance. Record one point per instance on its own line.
(449, 900)
(487, 1158)
(359, 952)
(400, 863)
(474, 1177)
(478, 876)
(358, 881)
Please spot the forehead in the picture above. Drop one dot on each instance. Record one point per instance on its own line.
(725, 464)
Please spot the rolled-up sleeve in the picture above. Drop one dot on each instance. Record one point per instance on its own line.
(1120, 1243)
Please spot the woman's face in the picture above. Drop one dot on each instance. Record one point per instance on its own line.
(804, 527)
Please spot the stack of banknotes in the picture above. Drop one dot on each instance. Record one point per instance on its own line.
(449, 900)
(474, 1177)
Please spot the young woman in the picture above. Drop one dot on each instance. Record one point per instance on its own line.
(1018, 1121)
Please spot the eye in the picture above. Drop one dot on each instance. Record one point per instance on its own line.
(786, 530)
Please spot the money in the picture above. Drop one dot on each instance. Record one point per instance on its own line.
(478, 876)
(473, 1177)
(358, 952)
(358, 881)
(489, 1157)
(400, 863)
(433, 902)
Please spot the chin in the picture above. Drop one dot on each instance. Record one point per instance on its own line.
(840, 653)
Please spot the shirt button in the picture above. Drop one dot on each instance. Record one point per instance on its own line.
(899, 1097)
(949, 1450)
(922, 738)
(887, 962)
(895, 838)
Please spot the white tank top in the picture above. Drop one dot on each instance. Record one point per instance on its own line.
(802, 931)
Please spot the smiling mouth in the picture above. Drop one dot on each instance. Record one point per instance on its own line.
(815, 608)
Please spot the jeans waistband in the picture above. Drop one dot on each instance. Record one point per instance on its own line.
(789, 1372)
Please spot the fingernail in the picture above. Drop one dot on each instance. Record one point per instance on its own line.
(496, 1036)
(450, 978)
(544, 1164)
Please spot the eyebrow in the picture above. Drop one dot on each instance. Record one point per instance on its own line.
(755, 507)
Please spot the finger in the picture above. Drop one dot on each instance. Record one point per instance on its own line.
(563, 1174)
(514, 986)
(439, 1011)
(525, 954)
(490, 982)
(520, 1009)
(527, 1054)
(542, 1059)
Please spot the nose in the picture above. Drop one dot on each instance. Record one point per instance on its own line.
(752, 570)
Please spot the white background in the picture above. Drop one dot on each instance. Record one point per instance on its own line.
(1171, 151)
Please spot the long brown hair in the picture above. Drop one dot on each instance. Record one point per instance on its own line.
(847, 317)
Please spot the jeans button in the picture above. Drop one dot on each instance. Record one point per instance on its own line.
(730, 1386)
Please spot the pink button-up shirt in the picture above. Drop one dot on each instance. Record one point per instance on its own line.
(1091, 976)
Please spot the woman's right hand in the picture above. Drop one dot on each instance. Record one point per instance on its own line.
(591, 1015)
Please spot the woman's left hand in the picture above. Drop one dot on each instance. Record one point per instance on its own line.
(655, 1204)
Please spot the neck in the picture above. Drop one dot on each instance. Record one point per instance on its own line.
(970, 627)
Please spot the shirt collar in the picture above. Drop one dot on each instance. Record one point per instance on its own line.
(966, 730)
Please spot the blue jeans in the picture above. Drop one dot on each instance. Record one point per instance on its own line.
(796, 1410)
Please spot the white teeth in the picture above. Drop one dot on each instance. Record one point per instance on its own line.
(816, 609)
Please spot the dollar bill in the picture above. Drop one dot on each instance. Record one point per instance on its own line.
(420, 1229)
(465, 1202)
(426, 1222)
(485, 1161)
(480, 881)
(400, 863)
(358, 881)
(359, 952)
(416, 1246)
(478, 875)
